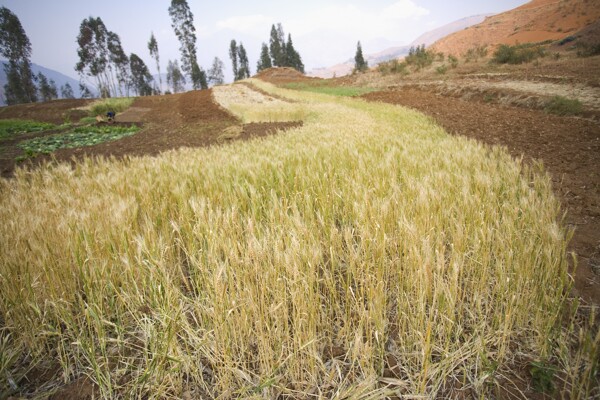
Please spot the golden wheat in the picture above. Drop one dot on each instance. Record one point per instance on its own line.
(310, 264)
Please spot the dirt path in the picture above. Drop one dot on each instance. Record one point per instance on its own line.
(568, 147)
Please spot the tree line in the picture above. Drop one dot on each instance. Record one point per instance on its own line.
(104, 64)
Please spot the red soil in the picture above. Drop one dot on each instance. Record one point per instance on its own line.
(536, 21)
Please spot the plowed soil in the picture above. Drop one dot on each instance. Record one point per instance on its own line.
(55, 111)
(168, 122)
(568, 147)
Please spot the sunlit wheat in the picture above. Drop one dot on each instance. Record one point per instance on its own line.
(307, 264)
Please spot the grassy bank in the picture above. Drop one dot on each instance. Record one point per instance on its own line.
(364, 254)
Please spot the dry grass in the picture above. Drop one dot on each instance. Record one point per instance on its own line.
(305, 264)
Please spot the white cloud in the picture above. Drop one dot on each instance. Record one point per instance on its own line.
(343, 19)
(359, 21)
(245, 24)
(403, 9)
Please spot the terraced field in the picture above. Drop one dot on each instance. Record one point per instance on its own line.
(363, 253)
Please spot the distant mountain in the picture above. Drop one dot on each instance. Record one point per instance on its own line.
(431, 37)
(391, 53)
(536, 21)
(58, 78)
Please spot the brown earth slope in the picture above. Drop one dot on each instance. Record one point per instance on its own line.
(191, 119)
(536, 21)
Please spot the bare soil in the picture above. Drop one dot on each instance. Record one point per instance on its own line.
(569, 148)
(283, 75)
(536, 21)
(55, 111)
(190, 119)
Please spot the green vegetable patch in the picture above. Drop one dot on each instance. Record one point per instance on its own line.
(10, 127)
(78, 137)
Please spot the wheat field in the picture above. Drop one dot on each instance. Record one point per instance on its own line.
(365, 254)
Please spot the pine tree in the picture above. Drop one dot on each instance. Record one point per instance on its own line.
(360, 64)
(16, 48)
(66, 91)
(264, 61)
(233, 55)
(153, 48)
(140, 76)
(182, 21)
(293, 58)
(174, 76)
(215, 74)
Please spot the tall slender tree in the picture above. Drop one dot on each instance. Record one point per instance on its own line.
(360, 64)
(94, 54)
(66, 91)
(182, 21)
(276, 47)
(153, 48)
(16, 48)
(174, 76)
(233, 55)
(244, 71)
(47, 88)
(120, 61)
(85, 91)
(140, 76)
(292, 57)
(264, 61)
(215, 74)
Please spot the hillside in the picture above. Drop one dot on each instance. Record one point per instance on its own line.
(390, 53)
(536, 21)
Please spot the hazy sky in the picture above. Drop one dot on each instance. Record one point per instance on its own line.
(325, 32)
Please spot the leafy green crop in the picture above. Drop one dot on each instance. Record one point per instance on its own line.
(10, 127)
(78, 137)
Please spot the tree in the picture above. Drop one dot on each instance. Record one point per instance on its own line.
(174, 76)
(153, 47)
(264, 61)
(233, 55)
(93, 53)
(140, 76)
(292, 58)
(360, 64)
(276, 46)
(16, 48)
(119, 59)
(215, 74)
(47, 89)
(244, 71)
(182, 21)
(85, 91)
(239, 59)
(66, 91)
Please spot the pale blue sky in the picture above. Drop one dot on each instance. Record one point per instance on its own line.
(324, 31)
